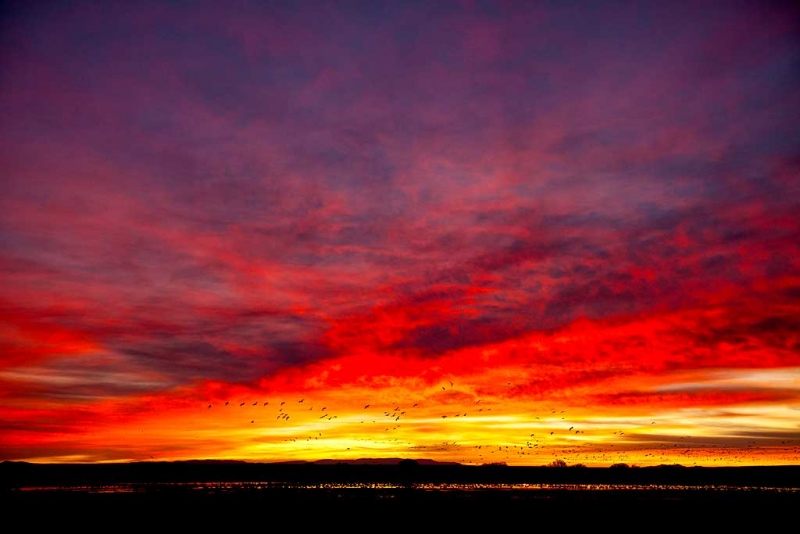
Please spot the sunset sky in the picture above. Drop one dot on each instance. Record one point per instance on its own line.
(462, 231)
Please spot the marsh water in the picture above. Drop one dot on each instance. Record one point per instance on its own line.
(251, 486)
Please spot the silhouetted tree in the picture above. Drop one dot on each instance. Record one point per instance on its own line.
(620, 466)
(558, 462)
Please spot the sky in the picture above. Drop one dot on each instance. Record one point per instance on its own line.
(482, 232)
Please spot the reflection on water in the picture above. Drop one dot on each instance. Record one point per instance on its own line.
(236, 487)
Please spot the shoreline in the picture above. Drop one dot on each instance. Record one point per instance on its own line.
(17, 475)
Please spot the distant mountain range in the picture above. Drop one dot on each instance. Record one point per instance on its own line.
(381, 461)
(359, 461)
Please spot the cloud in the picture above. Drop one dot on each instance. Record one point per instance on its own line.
(585, 202)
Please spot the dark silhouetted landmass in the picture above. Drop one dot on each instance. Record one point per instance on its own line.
(391, 470)
(393, 486)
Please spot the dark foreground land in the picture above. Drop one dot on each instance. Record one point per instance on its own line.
(199, 492)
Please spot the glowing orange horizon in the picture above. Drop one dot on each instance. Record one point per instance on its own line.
(475, 406)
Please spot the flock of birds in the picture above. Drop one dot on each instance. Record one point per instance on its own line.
(284, 415)
(390, 418)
